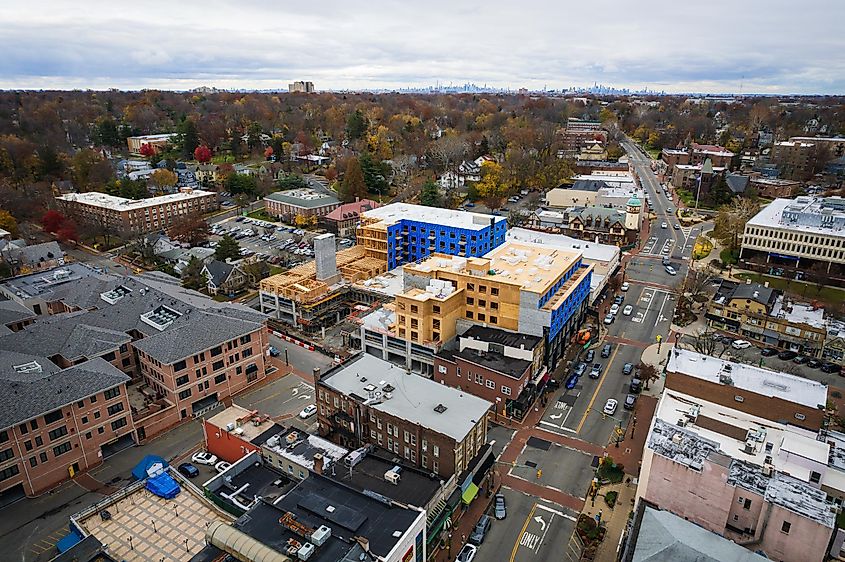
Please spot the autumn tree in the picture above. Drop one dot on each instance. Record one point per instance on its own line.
(447, 152)
(90, 171)
(163, 179)
(492, 188)
(647, 373)
(192, 276)
(67, 232)
(731, 220)
(148, 151)
(8, 223)
(353, 186)
(202, 154)
(705, 341)
(227, 248)
(190, 228)
(52, 221)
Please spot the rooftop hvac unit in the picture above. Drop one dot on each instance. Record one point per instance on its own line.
(305, 552)
(239, 431)
(230, 426)
(677, 438)
(321, 535)
(768, 469)
(392, 477)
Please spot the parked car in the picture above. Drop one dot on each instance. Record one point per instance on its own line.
(614, 308)
(500, 510)
(627, 310)
(831, 368)
(628, 368)
(605, 351)
(665, 261)
(814, 363)
(480, 530)
(630, 402)
(801, 359)
(590, 355)
(188, 470)
(671, 270)
(768, 352)
(273, 351)
(787, 355)
(580, 368)
(740, 344)
(467, 553)
(625, 286)
(618, 299)
(222, 466)
(609, 319)
(308, 411)
(595, 372)
(610, 406)
(571, 381)
(203, 457)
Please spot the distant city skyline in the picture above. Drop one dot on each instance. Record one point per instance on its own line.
(774, 47)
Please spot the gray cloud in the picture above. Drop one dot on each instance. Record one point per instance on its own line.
(759, 46)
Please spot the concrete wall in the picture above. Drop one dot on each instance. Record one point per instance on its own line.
(806, 539)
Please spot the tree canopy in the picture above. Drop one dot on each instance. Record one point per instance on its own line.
(227, 248)
(353, 185)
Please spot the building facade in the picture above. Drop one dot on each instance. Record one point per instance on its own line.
(157, 142)
(794, 159)
(300, 202)
(344, 220)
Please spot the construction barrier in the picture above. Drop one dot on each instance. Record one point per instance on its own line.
(287, 338)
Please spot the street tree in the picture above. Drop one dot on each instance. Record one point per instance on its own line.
(731, 219)
(705, 342)
(647, 373)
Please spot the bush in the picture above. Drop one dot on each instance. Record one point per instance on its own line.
(729, 257)
(610, 498)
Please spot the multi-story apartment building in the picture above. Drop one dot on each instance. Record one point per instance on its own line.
(401, 233)
(750, 442)
(794, 159)
(692, 176)
(521, 287)
(762, 314)
(499, 366)
(834, 145)
(772, 188)
(578, 134)
(805, 234)
(301, 86)
(118, 214)
(696, 154)
(14, 316)
(56, 421)
(300, 202)
(371, 401)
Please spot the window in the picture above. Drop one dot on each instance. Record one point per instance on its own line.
(185, 394)
(470, 301)
(215, 351)
(800, 417)
(220, 378)
(479, 379)
(815, 477)
(100, 430)
(785, 527)
(57, 433)
(53, 417)
(27, 445)
(435, 466)
(506, 390)
(442, 369)
(481, 317)
(97, 415)
(494, 319)
(436, 451)
(246, 339)
(38, 441)
(7, 473)
(117, 424)
(491, 384)
(179, 365)
(93, 400)
(469, 314)
(33, 462)
(436, 309)
(111, 393)
(88, 435)
(746, 504)
(494, 291)
(470, 286)
(182, 380)
(23, 428)
(245, 353)
(109, 356)
(43, 457)
(115, 408)
(61, 449)
(6, 454)
(407, 437)
(494, 305)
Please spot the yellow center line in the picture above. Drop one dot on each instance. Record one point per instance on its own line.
(522, 532)
(596, 393)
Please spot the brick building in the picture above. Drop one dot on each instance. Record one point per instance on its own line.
(300, 202)
(344, 220)
(696, 154)
(371, 401)
(119, 215)
(794, 159)
(502, 367)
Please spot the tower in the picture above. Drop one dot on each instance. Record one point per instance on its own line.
(633, 211)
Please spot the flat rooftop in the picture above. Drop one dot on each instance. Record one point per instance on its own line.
(44, 283)
(509, 366)
(591, 251)
(799, 313)
(412, 398)
(390, 283)
(241, 422)
(801, 498)
(307, 198)
(182, 518)
(111, 202)
(414, 488)
(818, 215)
(748, 377)
(397, 212)
(300, 447)
(679, 444)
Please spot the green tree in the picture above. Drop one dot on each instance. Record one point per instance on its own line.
(52, 165)
(241, 183)
(356, 125)
(430, 194)
(292, 181)
(227, 248)
(375, 173)
(192, 277)
(188, 138)
(353, 182)
(107, 133)
(254, 133)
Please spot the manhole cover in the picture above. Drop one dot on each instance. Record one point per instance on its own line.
(532, 464)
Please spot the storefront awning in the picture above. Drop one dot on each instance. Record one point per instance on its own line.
(470, 493)
(481, 471)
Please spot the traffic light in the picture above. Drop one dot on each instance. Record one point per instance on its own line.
(539, 473)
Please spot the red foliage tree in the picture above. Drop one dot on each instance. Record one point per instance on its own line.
(52, 221)
(67, 232)
(202, 154)
(148, 150)
(268, 152)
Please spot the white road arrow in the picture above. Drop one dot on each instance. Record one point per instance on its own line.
(556, 416)
(539, 520)
(295, 391)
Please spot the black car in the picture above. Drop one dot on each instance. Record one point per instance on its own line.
(590, 356)
(801, 359)
(630, 402)
(787, 355)
(814, 363)
(768, 352)
(480, 531)
(189, 470)
(636, 386)
(831, 368)
(605, 351)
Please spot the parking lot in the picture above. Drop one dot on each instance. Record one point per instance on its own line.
(277, 243)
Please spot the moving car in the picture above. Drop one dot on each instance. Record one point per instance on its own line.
(308, 411)
(203, 457)
(630, 402)
(787, 355)
(768, 352)
(625, 286)
(480, 530)
(500, 510)
(610, 406)
(571, 381)
(605, 351)
(740, 344)
(467, 553)
(627, 310)
(595, 372)
(188, 470)
(664, 225)
(222, 466)
(676, 226)
(671, 270)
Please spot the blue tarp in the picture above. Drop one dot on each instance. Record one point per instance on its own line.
(163, 486)
(68, 541)
(140, 471)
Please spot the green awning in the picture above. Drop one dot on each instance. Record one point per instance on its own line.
(470, 493)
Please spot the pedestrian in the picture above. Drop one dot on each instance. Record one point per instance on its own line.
(463, 538)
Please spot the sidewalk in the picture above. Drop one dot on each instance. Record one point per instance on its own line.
(615, 518)
(466, 519)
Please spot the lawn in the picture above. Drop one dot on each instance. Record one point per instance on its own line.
(806, 290)
(703, 247)
(261, 214)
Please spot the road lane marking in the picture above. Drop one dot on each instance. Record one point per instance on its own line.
(522, 532)
(595, 394)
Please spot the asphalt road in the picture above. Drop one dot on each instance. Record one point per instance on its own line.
(300, 358)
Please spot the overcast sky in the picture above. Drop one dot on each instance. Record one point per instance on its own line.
(765, 46)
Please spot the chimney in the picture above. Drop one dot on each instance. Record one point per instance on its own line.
(318, 463)
(316, 375)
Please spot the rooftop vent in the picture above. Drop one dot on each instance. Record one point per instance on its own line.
(25, 368)
(161, 317)
(440, 408)
(115, 294)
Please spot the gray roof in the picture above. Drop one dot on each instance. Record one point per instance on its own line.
(664, 536)
(801, 498)
(503, 337)
(41, 252)
(736, 182)
(413, 398)
(74, 283)
(29, 395)
(587, 185)
(218, 271)
(289, 198)
(11, 311)
(65, 336)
